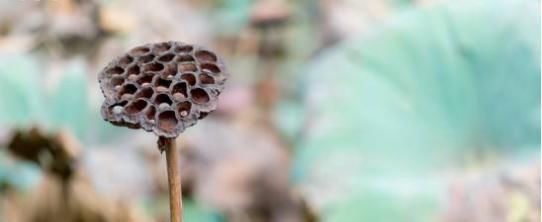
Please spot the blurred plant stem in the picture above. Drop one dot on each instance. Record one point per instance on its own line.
(174, 178)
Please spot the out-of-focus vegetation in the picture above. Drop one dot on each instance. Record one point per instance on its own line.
(336, 110)
(433, 93)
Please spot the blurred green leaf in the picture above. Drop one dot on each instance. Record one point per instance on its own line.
(24, 100)
(380, 207)
(69, 103)
(415, 98)
(21, 97)
(231, 16)
(194, 212)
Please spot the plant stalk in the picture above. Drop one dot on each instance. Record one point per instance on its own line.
(174, 178)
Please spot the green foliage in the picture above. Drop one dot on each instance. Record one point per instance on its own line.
(375, 206)
(20, 92)
(69, 105)
(231, 16)
(419, 96)
(24, 100)
(194, 212)
(24, 103)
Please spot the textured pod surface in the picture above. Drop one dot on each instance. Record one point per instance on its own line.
(163, 87)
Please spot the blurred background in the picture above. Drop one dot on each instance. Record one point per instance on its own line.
(335, 111)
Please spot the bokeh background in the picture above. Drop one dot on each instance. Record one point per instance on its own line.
(336, 111)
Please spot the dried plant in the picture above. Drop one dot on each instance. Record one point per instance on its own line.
(164, 88)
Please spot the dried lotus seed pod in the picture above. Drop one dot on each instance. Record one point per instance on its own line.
(162, 87)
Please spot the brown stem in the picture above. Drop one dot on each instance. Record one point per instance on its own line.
(174, 178)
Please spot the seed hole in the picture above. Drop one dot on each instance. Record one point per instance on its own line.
(205, 56)
(199, 96)
(166, 58)
(136, 106)
(128, 89)
(162, 82)
(115, 70)
(162, 47)
(162, 98)
(149, 113)
(145, 93)
(167, 120)
(190, 78)
(122, 103)
(145, 79)
(146, 59)
(133, 70)
(188, 67)
(184, 48)
(185, 58)
(183, 108)
(117, 80)
(140, 51)
(125, 60)
(203, 115)
(210, 67)
(181, 88)
(206, 79)
(153, 67)
(170, 71)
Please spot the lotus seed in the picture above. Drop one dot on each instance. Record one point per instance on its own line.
(117, 109)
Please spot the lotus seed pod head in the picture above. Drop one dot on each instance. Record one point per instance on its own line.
(162, 87)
